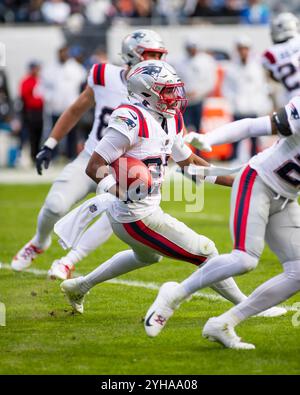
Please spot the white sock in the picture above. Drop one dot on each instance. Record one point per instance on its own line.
(121, 263)
(219, 268)
(229, 290)
(269, 294)
(226, 288)
(45, 225)
(98, 233)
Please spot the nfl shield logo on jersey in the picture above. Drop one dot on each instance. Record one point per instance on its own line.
(93, 208)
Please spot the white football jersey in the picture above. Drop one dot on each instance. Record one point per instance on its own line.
(279, 165)
(110, 90)
(283, 61)
(152, 144)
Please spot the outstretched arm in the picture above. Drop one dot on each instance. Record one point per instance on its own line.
(234, 131)
(194, 159)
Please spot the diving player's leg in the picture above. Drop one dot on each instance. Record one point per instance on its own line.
(282, 235)
(69, 187)
(97, 234)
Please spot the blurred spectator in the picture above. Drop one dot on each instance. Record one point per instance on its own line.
(198, 71)
(230, 8)
(34, 11)
(62, 82)
(56, 11)
(5, 102)
(169, 10)
(97, 11)
(202, 8)
(33, 104)
(122, 8)
(245, 87)
(142, 8)
(255, 12)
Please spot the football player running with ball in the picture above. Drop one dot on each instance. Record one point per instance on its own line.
(150, 130)
(106, 90)
(264, 207)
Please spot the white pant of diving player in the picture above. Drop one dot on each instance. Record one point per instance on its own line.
(70, 187)
(257, 214)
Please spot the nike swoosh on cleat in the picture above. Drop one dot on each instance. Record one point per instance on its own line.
(147, 323)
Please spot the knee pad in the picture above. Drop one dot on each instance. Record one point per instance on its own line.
(292, 270)
(246, 261)
(207, 247)
(56, 204)
(148, 258)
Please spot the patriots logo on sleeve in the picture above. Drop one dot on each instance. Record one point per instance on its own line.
(294, 112)
(129, 122)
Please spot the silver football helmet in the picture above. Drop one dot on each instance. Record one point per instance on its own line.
(156, 85)
(136, 43)
(283, 27)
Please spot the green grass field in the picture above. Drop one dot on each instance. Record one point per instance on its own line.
(43, 337)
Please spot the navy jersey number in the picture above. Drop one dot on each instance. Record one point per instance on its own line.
(288, 70)
(287, 168)
(103, 120)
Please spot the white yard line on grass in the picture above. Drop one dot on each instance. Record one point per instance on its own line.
(129, 283)
(134, 283)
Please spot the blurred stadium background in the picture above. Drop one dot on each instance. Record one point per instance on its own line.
(35, 34)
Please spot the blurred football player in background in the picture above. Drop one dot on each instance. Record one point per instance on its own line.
(106, 90)
(282, 60)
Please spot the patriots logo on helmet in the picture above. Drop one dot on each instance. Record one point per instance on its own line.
(151, 70)
(294, 112)
(138, 35)
(129, 122)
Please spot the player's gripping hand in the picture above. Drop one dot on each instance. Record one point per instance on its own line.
(197, 140)
(45, 155)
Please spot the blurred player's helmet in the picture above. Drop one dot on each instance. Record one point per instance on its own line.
(140, 41)
(156, 85)
(283, 27)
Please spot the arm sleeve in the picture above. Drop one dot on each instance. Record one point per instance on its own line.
(113, 145)
(180, 151)
(126, 122)
(90, 79)
(239, 130)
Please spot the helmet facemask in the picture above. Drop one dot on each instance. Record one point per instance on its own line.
(171, 98)
(156, 85)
